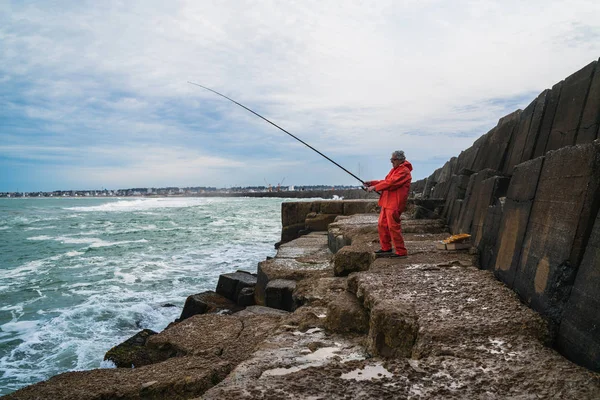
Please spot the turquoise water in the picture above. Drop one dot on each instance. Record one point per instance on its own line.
(78, 276)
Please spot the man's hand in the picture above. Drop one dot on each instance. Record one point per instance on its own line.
(370, 188)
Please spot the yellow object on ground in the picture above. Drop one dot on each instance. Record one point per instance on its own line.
(457, 238)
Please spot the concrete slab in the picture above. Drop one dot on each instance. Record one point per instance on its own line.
(546, 126)
(579, 334)
(570, 108)
(541, 102)
(590, 120)
(559, 226)
(519, 199)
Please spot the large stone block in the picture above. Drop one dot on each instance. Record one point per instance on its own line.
(519, 199)
(492, 153)
(488, 194)
(393, 330)
(206, 302)
(295, 212)
(536, 123)
(590, 120)
(489, 235)
(132, 353)
(466, 158)
(548, 118)
(561, 220)
(332, 207)
(457, 190)
(230, 285)
(366, 206)
(345, 314)
(430, 183)
(278, 294)
(465, 220)
(579, 334)
(570, 108)
(352, 259)
(319, 222)
(518, 142)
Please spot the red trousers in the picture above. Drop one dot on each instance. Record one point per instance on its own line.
(390, 231)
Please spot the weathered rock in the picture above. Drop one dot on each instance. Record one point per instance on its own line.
(291, 232)
(246, 297)
(180, 378)
(132, 353)
(559, 226)
(318, 291)
(541, 102)
(519, 139)
(206, 302)
(457, 190)
(332, 207)
(301, 258)
(346, 315)
(278, 294)
(488, 194)
(570, 108)
(352, 207)
(492, 153)
(551, 104)
(230, 338)
(486, 242)
(318, 222)
(230, 285)
(590, 119)
(468, 209)
(579, 334)
(393, 329)
(519, 199)
(352, 259)
(293, 213)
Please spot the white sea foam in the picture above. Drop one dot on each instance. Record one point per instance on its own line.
(143, 204)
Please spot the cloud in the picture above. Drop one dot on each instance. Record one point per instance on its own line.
(355, 80)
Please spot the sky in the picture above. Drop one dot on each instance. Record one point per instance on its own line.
(95, 94)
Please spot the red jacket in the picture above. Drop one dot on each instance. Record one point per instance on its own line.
(395, 187)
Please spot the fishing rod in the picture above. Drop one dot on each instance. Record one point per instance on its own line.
(280, 128)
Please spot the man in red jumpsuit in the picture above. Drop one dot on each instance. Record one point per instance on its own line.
(394, 193)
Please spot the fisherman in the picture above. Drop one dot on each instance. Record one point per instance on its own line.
(394, 193)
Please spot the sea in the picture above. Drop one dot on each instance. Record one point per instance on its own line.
(81, 275)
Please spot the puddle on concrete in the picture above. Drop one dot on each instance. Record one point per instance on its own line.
(376, 371)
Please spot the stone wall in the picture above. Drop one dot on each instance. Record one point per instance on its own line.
(528, 191)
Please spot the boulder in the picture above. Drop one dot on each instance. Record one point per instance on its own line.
(132, 353)
(393, 330)
(246, 297)
(352, 259)
(205, 303)
(278, 294)
(345, 314)
(230, 285)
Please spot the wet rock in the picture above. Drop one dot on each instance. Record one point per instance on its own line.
(246, 297)
(206, 302)
(318, 291)
(230, 285)
(179, 378)
(352, 259)
(345, 314)
(278, 294)
(393, 329)
(132, 353)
